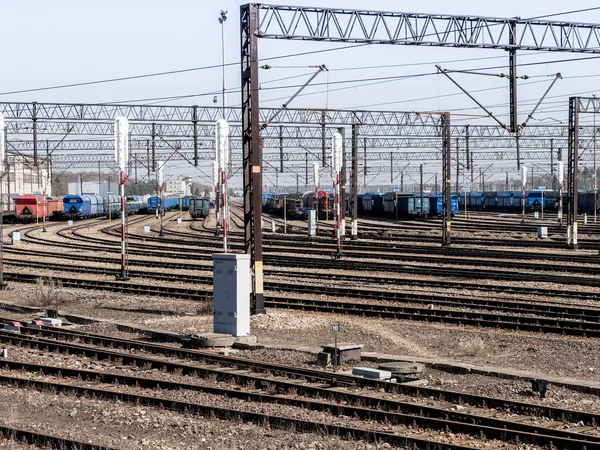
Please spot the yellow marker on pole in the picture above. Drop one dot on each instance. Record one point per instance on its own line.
(110, 203)
(37, 206)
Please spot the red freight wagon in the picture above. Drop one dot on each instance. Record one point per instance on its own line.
(31, 207)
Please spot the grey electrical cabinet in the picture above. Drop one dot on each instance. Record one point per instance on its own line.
(231, 293)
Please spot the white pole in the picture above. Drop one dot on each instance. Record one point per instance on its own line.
(336, 160)
(222, 156)
(2, 156)
(561, 169)
(121, 157)
(523, 185)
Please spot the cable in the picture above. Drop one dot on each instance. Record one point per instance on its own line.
(172, 72)
(458, 93)
(565, 13)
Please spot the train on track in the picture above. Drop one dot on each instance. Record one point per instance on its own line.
(29, 208)
(399, 205)
(166, 203)
(199, 207)
(404, 205)
(512, 201)
(298, 205)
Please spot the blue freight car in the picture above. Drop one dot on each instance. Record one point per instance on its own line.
(185, 202)
(436, 204)
(167, 203)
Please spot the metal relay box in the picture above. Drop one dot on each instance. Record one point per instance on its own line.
(231, 293)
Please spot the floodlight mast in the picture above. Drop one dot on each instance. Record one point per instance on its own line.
(121, 158)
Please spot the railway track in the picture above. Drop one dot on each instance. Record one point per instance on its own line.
(348, 307)
(43, 440)
(514, 306)
(466, 260)
(305, 384)
(508, 314)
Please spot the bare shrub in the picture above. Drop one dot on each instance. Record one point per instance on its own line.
(205, 307)
(49, 292)
(472, 346)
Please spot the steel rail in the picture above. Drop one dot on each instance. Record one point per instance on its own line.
(509, 306)
(272, 421)
(46, 440)
(318, 391)
(468, 424)
(519, 323)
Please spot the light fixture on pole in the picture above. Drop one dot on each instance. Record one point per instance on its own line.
(222, 19)
(121, 158)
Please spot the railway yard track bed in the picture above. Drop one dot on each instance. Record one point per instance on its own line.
(461, 310)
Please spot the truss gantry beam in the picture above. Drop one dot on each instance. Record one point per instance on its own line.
(587, 105)
(204, 114)
(311, 157)
(107, 160)
(291, 145)
(437, 30)
(296, 130)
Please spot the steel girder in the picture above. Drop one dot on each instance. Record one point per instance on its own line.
(587, 105)
(285, 131)
(204, 114)
(362, 26)
(291, 146)
(107, 160)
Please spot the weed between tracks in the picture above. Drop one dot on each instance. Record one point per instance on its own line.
(49, 292)
(473, 346)
(205, 308)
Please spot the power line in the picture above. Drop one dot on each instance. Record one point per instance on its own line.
(214, 66)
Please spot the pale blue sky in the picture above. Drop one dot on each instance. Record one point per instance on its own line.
(46, 43)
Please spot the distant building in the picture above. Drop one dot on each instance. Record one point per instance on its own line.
(179, 183)
(21, 177)
(91, 187)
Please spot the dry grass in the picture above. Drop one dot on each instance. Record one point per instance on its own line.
(49, 292)
(472, 346)
(205, 307)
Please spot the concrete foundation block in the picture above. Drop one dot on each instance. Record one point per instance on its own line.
(375, 374)
(212, 340)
